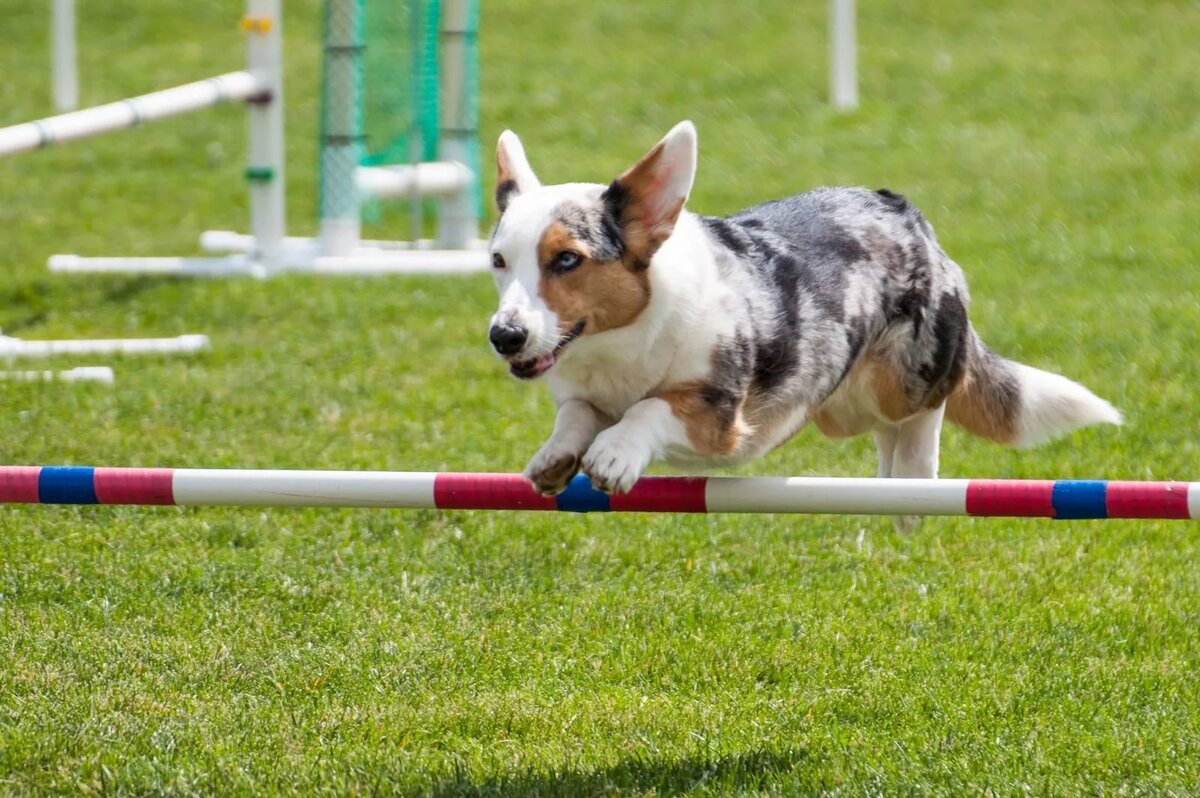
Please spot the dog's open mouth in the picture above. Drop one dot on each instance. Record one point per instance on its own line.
(536, 367)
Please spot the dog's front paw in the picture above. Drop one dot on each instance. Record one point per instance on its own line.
(551, 469)
(906, 524)
(615, 461)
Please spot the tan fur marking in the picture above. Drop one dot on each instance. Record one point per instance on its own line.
(608, 294)
(882, 386)
(646, 228)
(970, 407)
(891, 397)
(831, 427)
(504, 170)
(707, 431)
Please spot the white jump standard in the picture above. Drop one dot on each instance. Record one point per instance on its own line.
(1073, 499)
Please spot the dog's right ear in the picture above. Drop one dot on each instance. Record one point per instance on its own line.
(648, 198)
(513, 172)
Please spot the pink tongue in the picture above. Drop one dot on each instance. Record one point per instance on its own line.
(544, 362)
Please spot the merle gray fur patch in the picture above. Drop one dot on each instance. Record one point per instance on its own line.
(825, 278)
(595, 225)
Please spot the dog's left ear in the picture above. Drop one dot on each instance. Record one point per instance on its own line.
(648, 198)
(513, 172)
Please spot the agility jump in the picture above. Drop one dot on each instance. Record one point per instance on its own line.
(1063, 499)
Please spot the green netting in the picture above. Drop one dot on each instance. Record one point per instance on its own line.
(400, 109)
(382, 98)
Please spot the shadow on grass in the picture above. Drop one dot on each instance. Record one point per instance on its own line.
(37, 297)
(748, 772)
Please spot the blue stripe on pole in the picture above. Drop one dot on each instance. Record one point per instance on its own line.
(67, 485)
(1080, 498)
(581, 497)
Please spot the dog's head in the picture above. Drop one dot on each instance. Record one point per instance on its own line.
(572, 260)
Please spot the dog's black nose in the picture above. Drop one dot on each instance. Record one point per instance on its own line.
(507, 338)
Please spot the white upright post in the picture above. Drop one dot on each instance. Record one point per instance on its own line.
(341, 133)
(62, 49)
(457, 225)
(843, 56)
(264, 53)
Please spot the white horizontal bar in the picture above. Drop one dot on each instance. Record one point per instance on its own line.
(102, 374)
(300, 246)
(849, 495)
(127, 113)
(18, 347)
(413, 490)
(433, 261)
(432, 179)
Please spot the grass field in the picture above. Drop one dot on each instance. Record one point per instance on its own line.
(1056, 149)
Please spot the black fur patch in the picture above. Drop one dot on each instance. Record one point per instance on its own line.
(504, 192)
(775, 361)
(950, 332)
(616, 198)
(778, 354)
(896, 202)
(596, 227)
(727, 233)
(727, 386)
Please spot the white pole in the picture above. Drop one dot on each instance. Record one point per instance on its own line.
(62, 48)
(18, 347)
(843, 68)
(1065, 499)
(102, 374)
(341, 136)
(418, 261)
(128, 113)
(457, 224)
(431, 179)
(264, 54)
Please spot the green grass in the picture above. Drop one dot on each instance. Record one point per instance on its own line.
(1055, 148)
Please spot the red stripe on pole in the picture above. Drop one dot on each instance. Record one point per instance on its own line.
(1147, 499)
(134, 485)
(1030, 499)
(19, 484)
(488, 492)
(664, 495)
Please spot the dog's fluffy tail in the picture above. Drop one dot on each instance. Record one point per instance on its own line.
(1018, 405)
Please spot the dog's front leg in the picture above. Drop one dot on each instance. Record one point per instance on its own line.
(621, 453)
(575, 427)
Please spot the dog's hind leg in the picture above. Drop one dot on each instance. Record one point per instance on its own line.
(915, 454)
(576, 426)
(885, 442)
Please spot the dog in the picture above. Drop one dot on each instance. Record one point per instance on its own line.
(708, 341)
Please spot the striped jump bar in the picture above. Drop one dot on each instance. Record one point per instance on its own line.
(1062, 498)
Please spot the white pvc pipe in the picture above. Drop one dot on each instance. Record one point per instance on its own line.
(456, 212)
(201, 486)
(264, 55)
(1066, 499)
(62, 49)
(17, 347)
(102, 374)
(342, 144)
(843, 495)
(843, 56)
(128, 113)
(434, 179)
(302, 246)
(432, 261)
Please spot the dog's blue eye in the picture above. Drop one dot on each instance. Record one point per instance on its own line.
(498, 261)
(567, 260)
